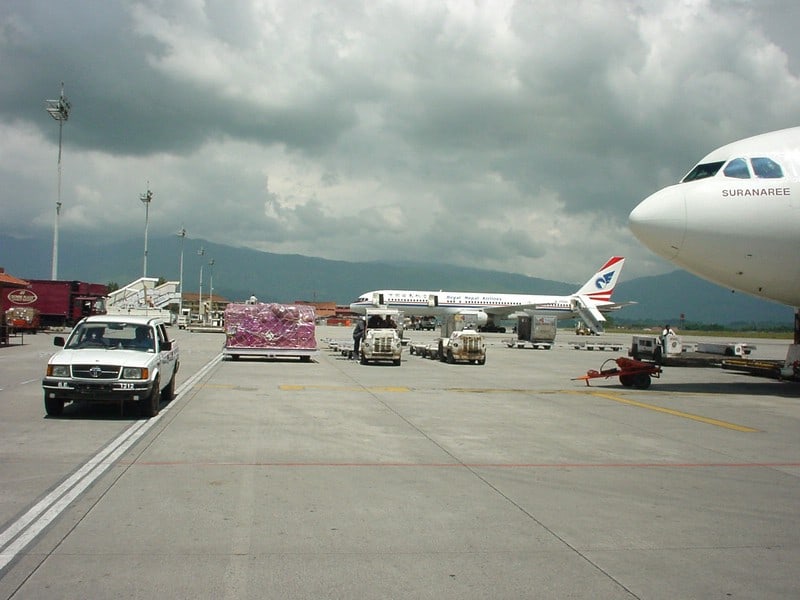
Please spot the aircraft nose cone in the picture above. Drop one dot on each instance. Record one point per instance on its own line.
(659, 222)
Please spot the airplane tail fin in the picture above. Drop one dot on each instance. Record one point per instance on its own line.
(601, 285)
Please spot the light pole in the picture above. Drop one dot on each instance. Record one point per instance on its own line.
(200, 252)
(211, 285)
(146, 198)
(182, 235)
(59, 110)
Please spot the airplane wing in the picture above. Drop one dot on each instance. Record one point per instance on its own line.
(616, 305)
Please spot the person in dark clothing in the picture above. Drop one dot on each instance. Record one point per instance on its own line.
(358, 333)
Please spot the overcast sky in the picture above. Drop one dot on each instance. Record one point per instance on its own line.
(504, 135)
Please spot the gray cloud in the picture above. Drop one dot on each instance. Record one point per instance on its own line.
(509, 135)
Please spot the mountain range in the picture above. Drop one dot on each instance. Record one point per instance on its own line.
(238, 273)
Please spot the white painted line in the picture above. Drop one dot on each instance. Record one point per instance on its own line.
(38, 517)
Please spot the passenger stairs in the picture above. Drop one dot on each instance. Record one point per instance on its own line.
(144, 293)
(592, 317)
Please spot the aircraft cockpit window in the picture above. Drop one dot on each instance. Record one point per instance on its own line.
(766, 168)
(702, 171)
(737, 168)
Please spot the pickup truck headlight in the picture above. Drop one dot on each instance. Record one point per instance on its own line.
(134, 373)
(58, 370)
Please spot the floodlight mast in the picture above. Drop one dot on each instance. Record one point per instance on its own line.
(146, 198)
(182, 235)
(59, 110)
(200, 252)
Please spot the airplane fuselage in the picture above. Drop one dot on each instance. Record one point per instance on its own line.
(422, 303)
(588, 302)
(736, 228)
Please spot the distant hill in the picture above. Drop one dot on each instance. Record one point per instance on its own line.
(664, 298)
(240, 272)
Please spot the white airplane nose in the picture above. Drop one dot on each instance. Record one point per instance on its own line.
(659, 222)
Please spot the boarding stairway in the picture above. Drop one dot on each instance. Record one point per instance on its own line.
(144, 293)
(587, 312)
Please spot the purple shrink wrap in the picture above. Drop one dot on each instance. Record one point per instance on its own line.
(285, 326)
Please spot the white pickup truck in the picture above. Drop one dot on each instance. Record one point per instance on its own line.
(113, 358)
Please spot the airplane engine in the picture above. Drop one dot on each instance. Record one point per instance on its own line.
(478, 317)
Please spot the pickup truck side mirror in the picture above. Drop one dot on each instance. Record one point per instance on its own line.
(58, 341)
(166, 345)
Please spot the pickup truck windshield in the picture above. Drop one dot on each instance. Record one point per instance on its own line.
(126, 336)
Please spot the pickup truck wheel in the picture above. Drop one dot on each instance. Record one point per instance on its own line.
(396, 362)
(363, 359)
(450, 359)
(149, 406)
(53, 406)
(481, 361)
(169, 392)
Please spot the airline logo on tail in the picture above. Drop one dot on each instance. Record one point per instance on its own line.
(600, 287)
(604, 280)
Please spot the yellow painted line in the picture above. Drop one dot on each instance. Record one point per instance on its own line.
(674, 413)
(340, 388)
(492, 391)
(227, 386)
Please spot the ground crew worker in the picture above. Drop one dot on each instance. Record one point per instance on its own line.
(358, 333)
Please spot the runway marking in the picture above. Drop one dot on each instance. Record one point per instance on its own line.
(493, 391)
(450, 465)
(605, 395)
(17, 536)
(670, 411)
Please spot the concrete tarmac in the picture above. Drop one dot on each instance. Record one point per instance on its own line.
(282, 479)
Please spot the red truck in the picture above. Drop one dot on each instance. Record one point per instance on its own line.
(59, 303)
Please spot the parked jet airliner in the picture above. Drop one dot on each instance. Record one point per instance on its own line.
(734, 219)
(588, 303)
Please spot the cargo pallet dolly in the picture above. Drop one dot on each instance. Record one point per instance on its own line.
(631, 373)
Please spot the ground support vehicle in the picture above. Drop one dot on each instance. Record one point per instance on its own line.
(655, 348)
(343, 347)
(423, 323)
(466, 345)
(537, 331)
(269, 331)
(725, 348)
(674, 353)
(60, 303)
(383, 336)
(113, 359)
(773, 369)
(597, 346)
(428, 349)
(631, 373)
(23, 319)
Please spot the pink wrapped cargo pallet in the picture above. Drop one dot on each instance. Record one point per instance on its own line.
(270, 330)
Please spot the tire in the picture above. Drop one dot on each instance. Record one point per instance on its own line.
(168, 394)
(481, 361)
(53, 406)
(149, 407)
(626, 380)
(450, 359)
(641, 381)
(363, 359)
(396, 362)
(658, 355)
